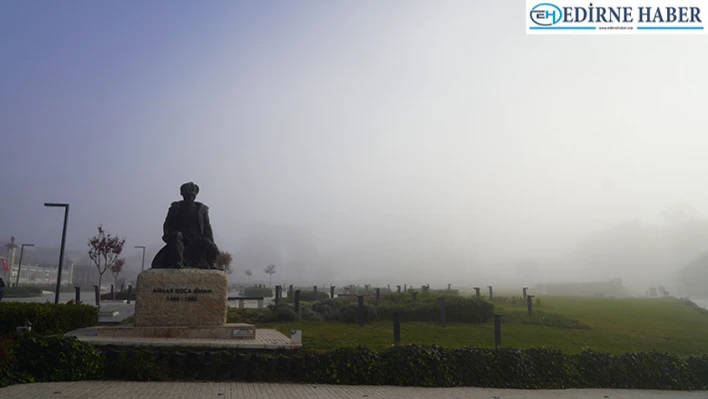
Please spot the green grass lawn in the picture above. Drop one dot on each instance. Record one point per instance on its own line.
(615, 326)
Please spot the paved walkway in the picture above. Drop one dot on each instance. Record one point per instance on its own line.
(188, 390)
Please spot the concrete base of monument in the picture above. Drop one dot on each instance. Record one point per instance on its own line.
(227, 331)
(263, 339)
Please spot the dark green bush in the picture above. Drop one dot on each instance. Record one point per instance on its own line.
(450, 292)
(328, 309)
(359, 290)
(258, 291)
(53, 358)
(247, 315)
(46, 318)
(342, 310)
(457, 309)
(308, 296)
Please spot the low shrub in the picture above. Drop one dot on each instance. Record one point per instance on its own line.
(53, 358)
(308, 296)
(35, 358)
(247, 315)
(46, 318)
(258, 291)
(457, 310)
(414, 365)
(328, 309)
(284, 312)
(450, 292)
(342, 310)
(359, 290)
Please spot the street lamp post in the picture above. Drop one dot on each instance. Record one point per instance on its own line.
(143, 248)
(63, 242)
(19, 268)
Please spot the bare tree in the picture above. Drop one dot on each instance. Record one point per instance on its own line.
(103, 251)
(249, 273)
(270, 271)
(116, 268)
(223, 262)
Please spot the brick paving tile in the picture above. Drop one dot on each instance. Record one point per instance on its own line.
(225, 390)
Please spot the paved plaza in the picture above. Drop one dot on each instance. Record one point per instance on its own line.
(197, 390)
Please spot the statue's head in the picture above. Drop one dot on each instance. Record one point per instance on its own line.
(189, 191)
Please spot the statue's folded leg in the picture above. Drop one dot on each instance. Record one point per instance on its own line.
(175, 243)
(210, 252)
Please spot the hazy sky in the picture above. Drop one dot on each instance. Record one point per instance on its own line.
(400, 133)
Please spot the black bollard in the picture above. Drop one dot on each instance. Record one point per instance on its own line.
(399, 288)
(389, 286)
(361, 310)
(78, 294)
(405, 287)
(291, 293)
(415, 296)
(95, 288)
(443, 318)
(525, 288)
(331, 291)
(113, 293)
(529, 301)
(491, 294)
(449, 286)
(130, 289)
(378, 294)
(396, 329)
(297, 301)
(479, 297)
(314, 290)
(278, 289)
(497, 329)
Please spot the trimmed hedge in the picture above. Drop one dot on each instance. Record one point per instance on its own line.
(308, 296)
(426, 366)
(35, 358)
(258, 291)
(457, 310)
(46, 318)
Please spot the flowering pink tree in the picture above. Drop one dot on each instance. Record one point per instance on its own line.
(103, 251)
(116, 268)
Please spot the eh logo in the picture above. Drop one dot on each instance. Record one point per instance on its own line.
(546, 14)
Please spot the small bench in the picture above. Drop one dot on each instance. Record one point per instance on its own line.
(242, 299)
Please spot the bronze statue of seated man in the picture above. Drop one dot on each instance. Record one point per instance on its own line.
(187, 233)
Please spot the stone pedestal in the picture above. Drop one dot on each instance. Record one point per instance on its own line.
(181, 297)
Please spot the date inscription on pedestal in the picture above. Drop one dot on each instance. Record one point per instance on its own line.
(191, 298)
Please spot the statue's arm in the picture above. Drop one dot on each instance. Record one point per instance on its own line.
(169, 225)
(208, 233)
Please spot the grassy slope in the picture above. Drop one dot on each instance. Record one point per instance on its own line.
(617, 326)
